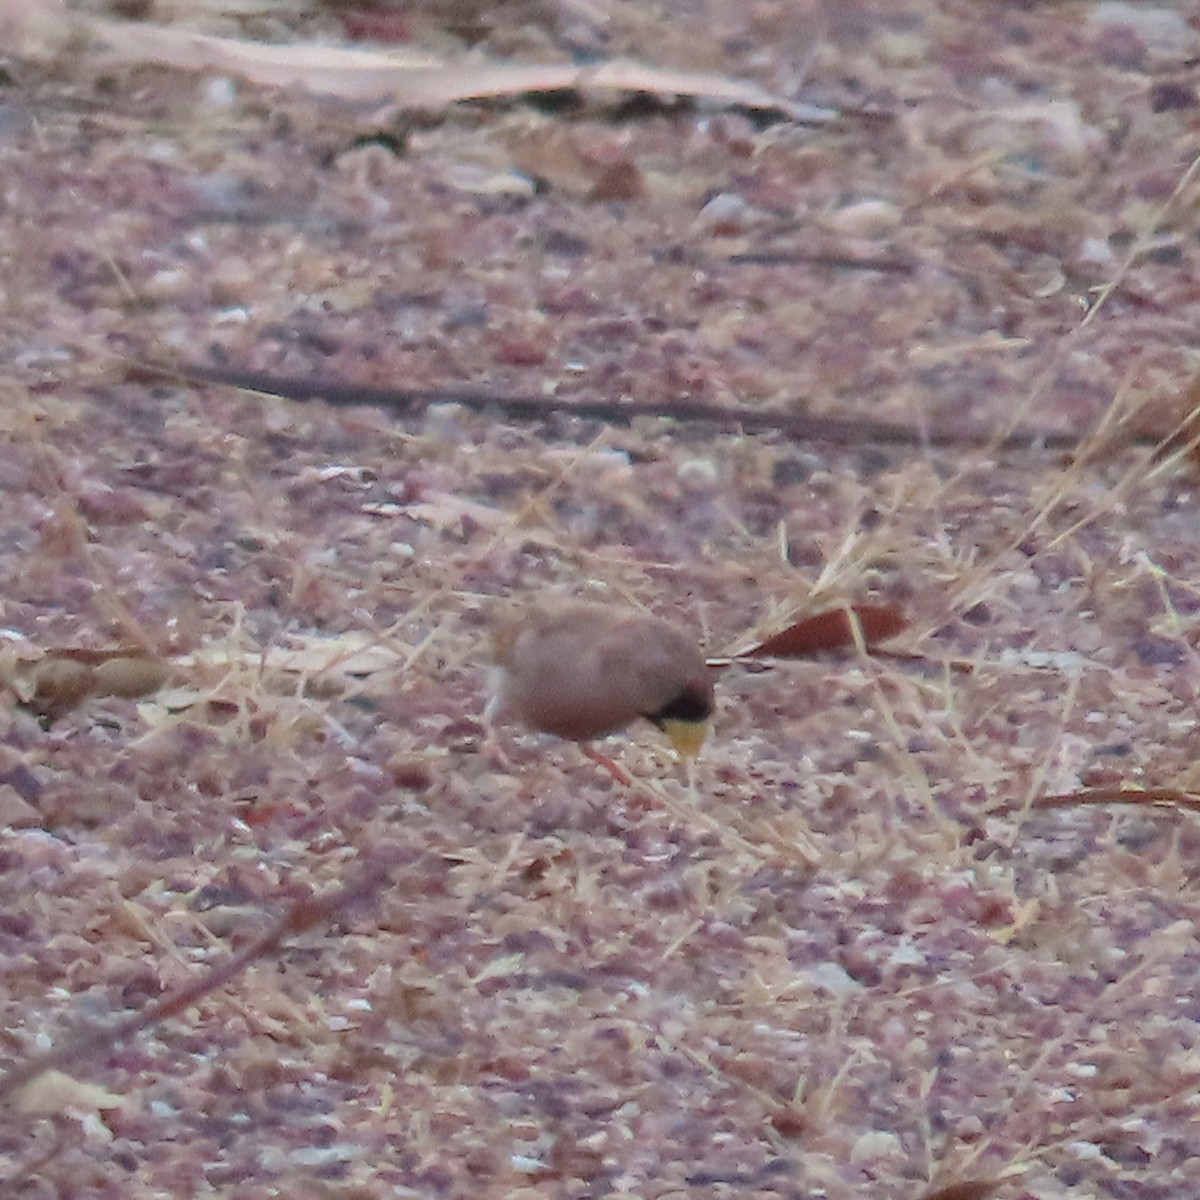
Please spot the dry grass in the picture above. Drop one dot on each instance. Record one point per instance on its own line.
(907, 929)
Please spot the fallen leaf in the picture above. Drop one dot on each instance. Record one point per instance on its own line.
(1174, 421)
(54, 1092)
(969, 1189)
(63, 678)
(404, 78)
(830, 630)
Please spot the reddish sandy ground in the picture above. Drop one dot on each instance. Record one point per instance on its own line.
(861, 960)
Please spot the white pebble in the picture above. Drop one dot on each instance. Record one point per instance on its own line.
(865, 219)
(220, 92)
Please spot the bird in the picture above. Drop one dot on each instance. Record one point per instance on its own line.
(581, 670)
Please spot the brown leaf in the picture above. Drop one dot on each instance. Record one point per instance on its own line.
(130, 676)
(62, 679)
(1174, 421)
(59, 684)
(830, 630)
(968, 1189)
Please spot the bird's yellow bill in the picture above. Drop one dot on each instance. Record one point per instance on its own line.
(686, 736)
